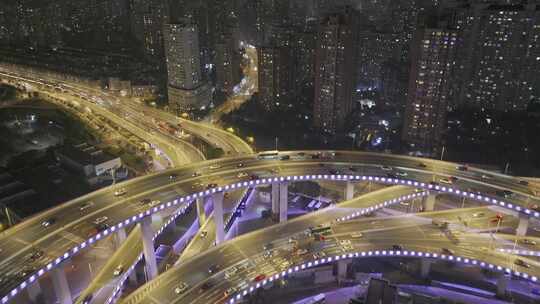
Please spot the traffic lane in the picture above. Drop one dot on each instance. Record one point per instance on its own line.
(206, 236)
(256, 240)
(365, 222)
(464, 250)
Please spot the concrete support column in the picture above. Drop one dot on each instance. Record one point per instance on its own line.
(201, 214)
(157, 219)
(283, 201)
(349, 190)
(60, 285)
(425, 267)
(217, 201)
(148, 248)
(502, 284)
(341, 270)
(34, 292)
(428, 202)
(119, 237)
(275, 200)
(523, 225)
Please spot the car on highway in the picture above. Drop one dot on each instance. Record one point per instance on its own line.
(102, 227)
(397, 247)
(204, 233)
(213, 268)
(86, 206)
(301, 251)
(204, 287)
(259, 277)
(181, 288)
(462, 168)
(173, 176)
(357, 235)
(48, 222)
(447, 181)
(401, 173)
(497, 218)
(229, 291)
(242, 175)
(486, 176)
(211, 185)
(386, 168)
(522, 263)
(37, 254)
(268, 246)
(100, 220)
(505, 193)
(391, 175)
(284, 157)
(523, 182)
(195, 174)
(240, 165)
(447, 251)
(345, 242)
(478, 214)
(528, 242)
(421, 165)
(214, 167)
(318, 255)
(118, 270)
(120, 192)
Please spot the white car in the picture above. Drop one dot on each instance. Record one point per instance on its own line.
(445, 181)
(120, 192)
(386, 168)
(345, 242)
(242, 175)
(118, 270)
(213, 167)
(357, 235)
(100, 220)
(478, 214)
(86, 206)
(181, 288)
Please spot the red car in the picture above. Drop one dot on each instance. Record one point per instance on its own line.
(498, 217)
(259, 278)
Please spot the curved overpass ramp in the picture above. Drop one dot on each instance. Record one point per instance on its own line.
(20, 242)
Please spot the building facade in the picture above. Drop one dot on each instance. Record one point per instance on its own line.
(335, 75)
(187, 90)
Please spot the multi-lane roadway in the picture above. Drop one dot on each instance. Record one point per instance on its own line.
(73, 224)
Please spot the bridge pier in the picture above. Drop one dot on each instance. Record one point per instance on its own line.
(34, 292)
(428, 202)
(425, 268)
(523, 225)
(502, 284)
(201, 213)
(341, 272)
(349, 190)
(60, 285)
(119, 238)
(217, 201)
(148, 248)
(283, 201)
(275, 200)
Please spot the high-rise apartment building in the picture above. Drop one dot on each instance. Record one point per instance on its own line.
(227, 63)
(335, 75)
(147, 22)
(432, 62)
(186, 88)
(275, 78)
(497, 56)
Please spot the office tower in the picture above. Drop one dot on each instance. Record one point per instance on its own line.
(335, 75)
(186, 89)
(227, 63)
(432, 62)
